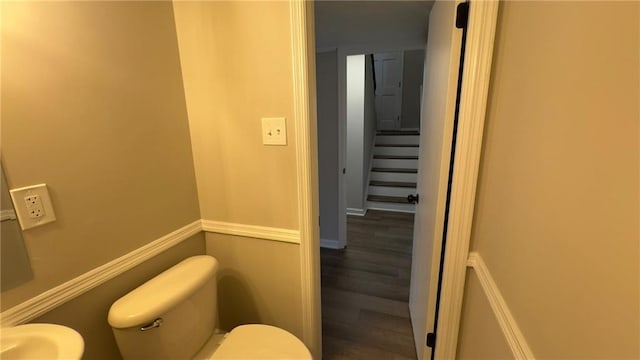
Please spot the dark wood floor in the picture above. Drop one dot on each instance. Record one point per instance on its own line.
(365, 290)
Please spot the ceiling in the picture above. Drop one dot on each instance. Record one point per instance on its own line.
(358, 23)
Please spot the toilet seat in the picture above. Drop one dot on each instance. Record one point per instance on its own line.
(261, 342)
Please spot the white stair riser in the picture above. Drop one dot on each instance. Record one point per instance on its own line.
(375, 205)
(391, 191)
(398, 151)
(395, 163)
(402, 177)
(398, 139)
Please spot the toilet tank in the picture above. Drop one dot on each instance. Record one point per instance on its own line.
(170, 316)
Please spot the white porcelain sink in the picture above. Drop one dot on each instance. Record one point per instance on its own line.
(40, 341)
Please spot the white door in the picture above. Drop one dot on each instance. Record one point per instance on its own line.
(440, 83)
(388, 94)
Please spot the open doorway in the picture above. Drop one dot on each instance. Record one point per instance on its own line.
(366, 278)
(367, 330)
(369, 106)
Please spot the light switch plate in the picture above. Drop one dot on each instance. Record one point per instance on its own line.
(33, 206)
(274, 131)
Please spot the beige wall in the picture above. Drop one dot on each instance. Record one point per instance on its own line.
(257, 282)
(111, 126)
(236, 63)
(88, 313)
(93, 105)
(489, 343)
(557, 213)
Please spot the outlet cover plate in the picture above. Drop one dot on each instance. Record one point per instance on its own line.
(274, 131)
(22, 210)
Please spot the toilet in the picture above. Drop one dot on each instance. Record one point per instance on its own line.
(174, 316)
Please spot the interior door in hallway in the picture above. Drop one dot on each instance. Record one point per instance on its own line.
(388, 94)
(440, 89)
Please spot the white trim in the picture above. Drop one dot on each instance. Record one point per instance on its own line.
(73, 288)
(252, 231)
(7, 215)
(508, 324)
(304, 106)
(331, 244)
(365, 191)
(477, 71)
(341, 62)
(357, 212)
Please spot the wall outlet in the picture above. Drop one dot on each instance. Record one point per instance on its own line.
(32, 200)
(33, 206)
(274, 131)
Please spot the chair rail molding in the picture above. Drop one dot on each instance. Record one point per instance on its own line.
(52, 298)
(508, 324)
(7, 215)
(252, 231)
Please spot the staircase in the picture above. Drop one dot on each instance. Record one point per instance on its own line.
(394, 171)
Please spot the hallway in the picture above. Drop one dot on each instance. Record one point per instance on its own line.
(365, 290)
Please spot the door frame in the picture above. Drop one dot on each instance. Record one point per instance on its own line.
(481, 30)
(473, 103)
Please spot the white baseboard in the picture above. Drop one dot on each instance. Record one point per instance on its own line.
(356, 212)
(331, 244)
(512, 333)
(252, 231)
(73, 288)
(374, 205)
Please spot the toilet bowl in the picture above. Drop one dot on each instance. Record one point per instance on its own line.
(174, 316)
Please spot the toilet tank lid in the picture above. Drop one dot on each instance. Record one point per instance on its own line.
(160, 294)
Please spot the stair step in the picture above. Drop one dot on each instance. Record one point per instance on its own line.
(391, 191)
(394, 139)
(397, 145)
(398, 157)
(393, 183)
(394, 163)
(398, 132)
(394, 176)
(396, 170)
(389, 199)
(397, 151)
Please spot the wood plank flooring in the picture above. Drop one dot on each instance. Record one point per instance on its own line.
(365, 290)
